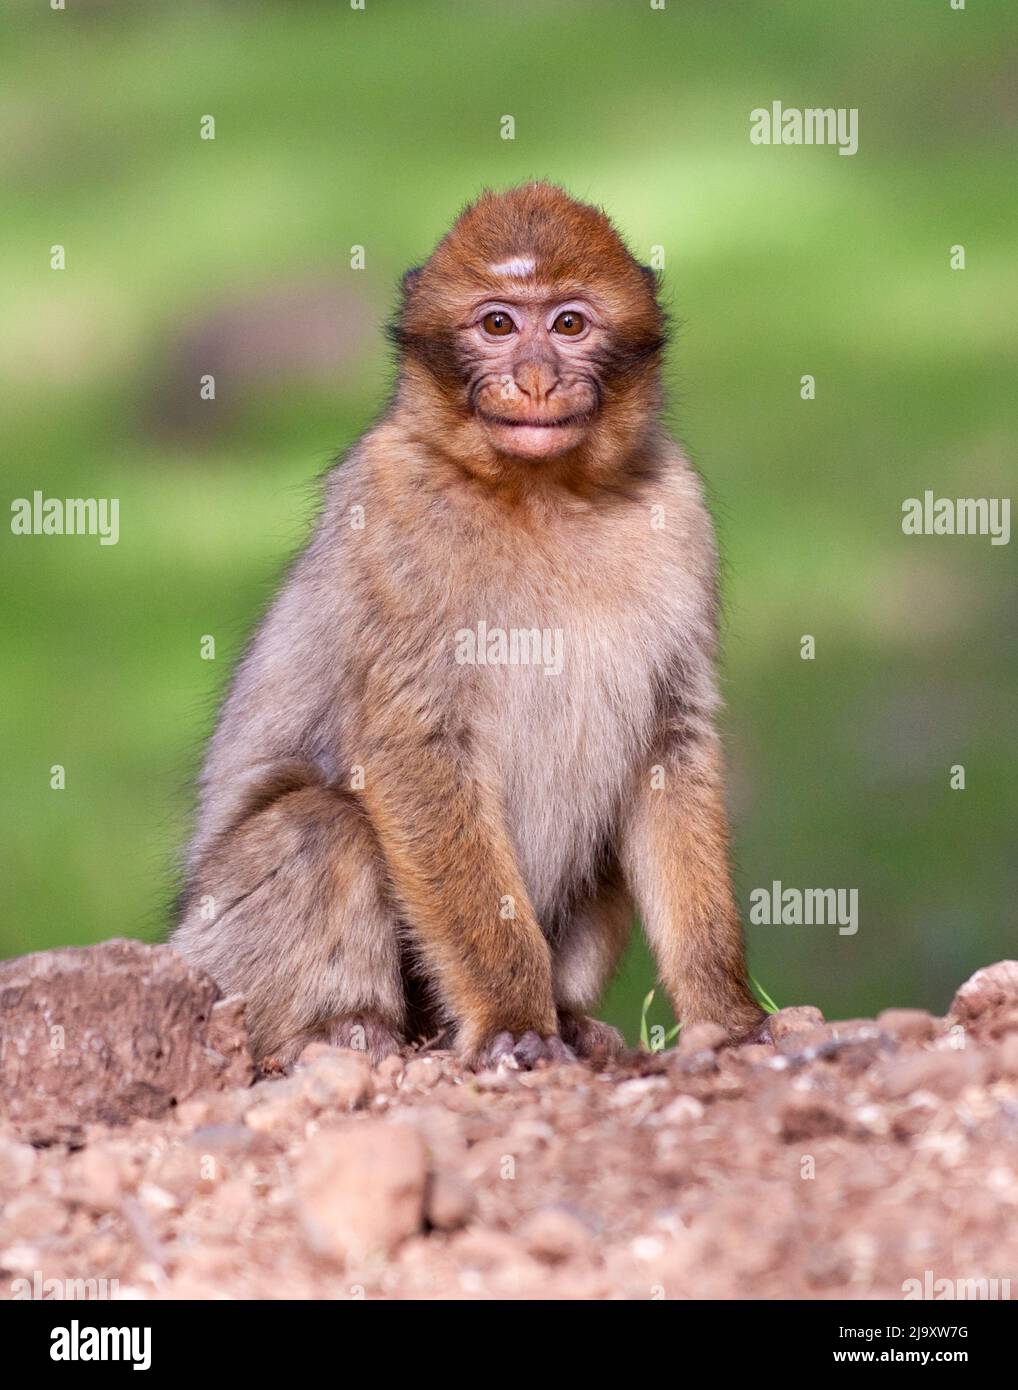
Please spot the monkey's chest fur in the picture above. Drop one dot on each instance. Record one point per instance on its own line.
(560, 684)
(563, 749)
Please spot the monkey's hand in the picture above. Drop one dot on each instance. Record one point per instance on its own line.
(526, 1050)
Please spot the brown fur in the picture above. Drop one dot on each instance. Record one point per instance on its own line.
(381, 823)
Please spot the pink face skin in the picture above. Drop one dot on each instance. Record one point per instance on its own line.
(534, 387)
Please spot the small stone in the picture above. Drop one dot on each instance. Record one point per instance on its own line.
(944, 1074)
(94, 1179)
(647, 1248)
(189, 1114)
(804, 1040)
(483, 1249)
(1004, 1021)
(389, 1072)
(553, 1234)
(859, 1043)
(337, 1080)
(701, 1037)
(32, 1217)
(183, 1171)
(279, 1106)
(222, 1139)
(854, 1043)
(807, 1115)
(226, 1042)
(909, 1025)
(799, 1019)
(638, 1089)
(360, 1189)
(451, 1201)
(1005, 1059)
(157, 1199)
(915, 1116)
(17, 1164)
(423, 1072)
(20, 1257)
(233, 1199)
(683, 1110)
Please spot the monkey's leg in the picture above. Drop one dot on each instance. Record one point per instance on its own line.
(290, 910)
(675, 855)
(585, 956)
(452, 864)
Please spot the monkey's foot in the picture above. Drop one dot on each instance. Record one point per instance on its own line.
(589, 1037)
(364, 1032)
(526, 1050)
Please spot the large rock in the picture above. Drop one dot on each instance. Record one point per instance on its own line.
(987, 1003)
(105, 1034)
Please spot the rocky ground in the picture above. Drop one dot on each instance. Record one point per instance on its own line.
(137, 1146)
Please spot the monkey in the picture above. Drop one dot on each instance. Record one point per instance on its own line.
(410, 815)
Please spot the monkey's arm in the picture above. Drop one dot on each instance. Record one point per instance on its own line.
(675, 855)
(451, 862)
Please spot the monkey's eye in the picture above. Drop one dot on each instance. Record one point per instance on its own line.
(498, 324)
(569, 323)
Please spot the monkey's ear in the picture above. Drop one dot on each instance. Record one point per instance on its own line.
(410, 280)
(408, 283)
(653, 279)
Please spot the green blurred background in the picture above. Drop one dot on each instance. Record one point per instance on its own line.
(337, 128)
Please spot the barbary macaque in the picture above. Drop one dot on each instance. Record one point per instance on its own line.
(474, 735)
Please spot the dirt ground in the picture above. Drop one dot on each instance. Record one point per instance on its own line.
(845, 1160)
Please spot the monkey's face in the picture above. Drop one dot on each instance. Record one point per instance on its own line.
(533, 382)
(531, 333)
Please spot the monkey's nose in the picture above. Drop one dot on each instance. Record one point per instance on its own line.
(537, 380)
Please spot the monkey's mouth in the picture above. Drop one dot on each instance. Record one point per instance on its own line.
(535, 437)
(523, 422)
